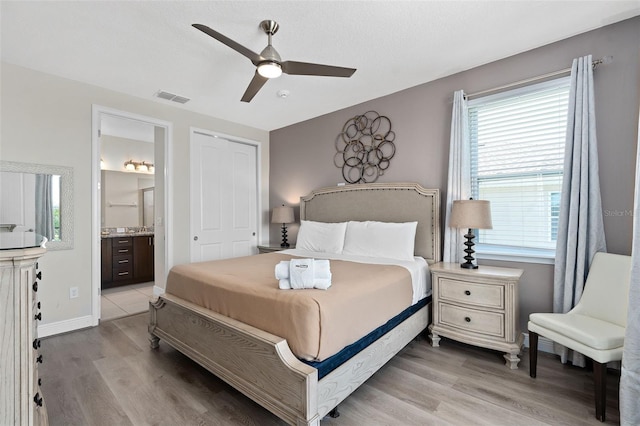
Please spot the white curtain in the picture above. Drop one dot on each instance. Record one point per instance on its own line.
(580, 227)
(630, 378)
(459, 183)
(44, 206)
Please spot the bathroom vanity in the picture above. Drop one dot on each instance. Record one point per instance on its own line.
(127, 258)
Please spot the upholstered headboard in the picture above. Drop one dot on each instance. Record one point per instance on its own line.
(384, 202)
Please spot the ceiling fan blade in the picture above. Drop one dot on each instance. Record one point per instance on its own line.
(305, 68)
(253, 56)
(256, 84)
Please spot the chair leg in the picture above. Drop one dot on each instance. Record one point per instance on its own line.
(533, 353)
(600, 385)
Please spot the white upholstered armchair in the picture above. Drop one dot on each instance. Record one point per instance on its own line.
(595, 327)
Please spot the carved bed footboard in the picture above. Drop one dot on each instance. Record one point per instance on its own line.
(261, 365)
(256, 363)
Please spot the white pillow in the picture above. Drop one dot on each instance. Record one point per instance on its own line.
(381, 239)
(321, 236)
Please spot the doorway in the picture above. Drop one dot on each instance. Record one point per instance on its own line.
(160, 220)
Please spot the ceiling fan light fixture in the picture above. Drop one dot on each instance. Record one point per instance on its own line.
(270, 69)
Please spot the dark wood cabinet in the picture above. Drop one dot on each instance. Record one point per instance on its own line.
(106, 260)
(143, 258)
(127, 260)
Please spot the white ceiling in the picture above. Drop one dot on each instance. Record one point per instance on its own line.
(140, 47)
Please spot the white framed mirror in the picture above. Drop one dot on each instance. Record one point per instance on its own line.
(39, 198)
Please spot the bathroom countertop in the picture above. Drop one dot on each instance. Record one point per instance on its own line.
(127, 234)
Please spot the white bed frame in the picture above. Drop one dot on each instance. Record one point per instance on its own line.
(260, 364)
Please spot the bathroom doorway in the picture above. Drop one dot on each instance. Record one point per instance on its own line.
(130, 199)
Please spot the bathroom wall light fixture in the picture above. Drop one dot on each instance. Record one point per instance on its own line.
(142, 166)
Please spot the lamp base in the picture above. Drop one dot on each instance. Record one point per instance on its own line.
(284, 244)
(468, 265)
(469, 250)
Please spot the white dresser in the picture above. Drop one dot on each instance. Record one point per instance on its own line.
(21, 400)
(478, 307)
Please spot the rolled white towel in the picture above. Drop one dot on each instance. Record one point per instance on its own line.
(322, 283)
(282, 270)
(301, 273)
(284, 284)
(321, 274)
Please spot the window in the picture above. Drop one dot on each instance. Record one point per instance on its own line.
(517, 156)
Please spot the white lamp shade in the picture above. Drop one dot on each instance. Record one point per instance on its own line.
(282, 215)
(472, 214)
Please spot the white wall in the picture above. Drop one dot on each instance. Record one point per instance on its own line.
(114, 151)
(47, 120)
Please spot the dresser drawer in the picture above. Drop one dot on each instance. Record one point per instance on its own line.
(121, 242)
(122, 261)
(123, 271)
(120, 251)
(487, 323)
(476, 294)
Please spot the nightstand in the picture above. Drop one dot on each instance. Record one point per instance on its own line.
(269, 249)
(478, 307)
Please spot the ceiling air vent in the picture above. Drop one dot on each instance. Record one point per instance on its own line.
(171, 97)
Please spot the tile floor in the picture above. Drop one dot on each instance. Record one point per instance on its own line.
(123, 301)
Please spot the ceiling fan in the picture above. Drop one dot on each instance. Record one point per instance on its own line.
(268, 62)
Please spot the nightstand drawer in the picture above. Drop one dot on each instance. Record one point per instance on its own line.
(477, 294)
(488, 323)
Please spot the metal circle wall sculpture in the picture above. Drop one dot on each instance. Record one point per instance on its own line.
(365, 147)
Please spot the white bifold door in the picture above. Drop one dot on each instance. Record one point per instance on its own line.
(223, 198)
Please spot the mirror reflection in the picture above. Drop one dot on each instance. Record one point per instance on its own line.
(127, 199)
(37, 198)
(31, 202)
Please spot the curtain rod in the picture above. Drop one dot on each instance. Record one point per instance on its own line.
(602, 61)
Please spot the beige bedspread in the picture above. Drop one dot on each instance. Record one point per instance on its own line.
(316, 323)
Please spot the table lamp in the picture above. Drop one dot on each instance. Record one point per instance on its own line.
(470, 214)
(283, 215)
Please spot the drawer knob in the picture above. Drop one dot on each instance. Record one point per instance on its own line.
(39, 316)
(467, 319)
(39, 359)
(467, 292)
(123, 273)
(123, 261)
(35, 286)
(38, 399)
(36, 343)
(39, 275)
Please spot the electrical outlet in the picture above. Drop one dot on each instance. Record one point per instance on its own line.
(73, 292)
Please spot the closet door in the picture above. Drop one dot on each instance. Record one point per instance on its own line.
(223, 198)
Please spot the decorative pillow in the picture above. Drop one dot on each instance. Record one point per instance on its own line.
(321, 236)
(381, 239)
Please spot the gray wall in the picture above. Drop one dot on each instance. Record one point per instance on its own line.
(301, 155)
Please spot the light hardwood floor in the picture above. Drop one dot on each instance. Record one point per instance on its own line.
(108, 375)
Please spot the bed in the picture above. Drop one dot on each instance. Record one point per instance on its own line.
(260, 364)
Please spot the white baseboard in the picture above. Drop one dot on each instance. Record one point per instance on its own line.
(158, 291)
(65, 326)
(544, 344)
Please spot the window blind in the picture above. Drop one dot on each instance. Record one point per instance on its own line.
(517, 156)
